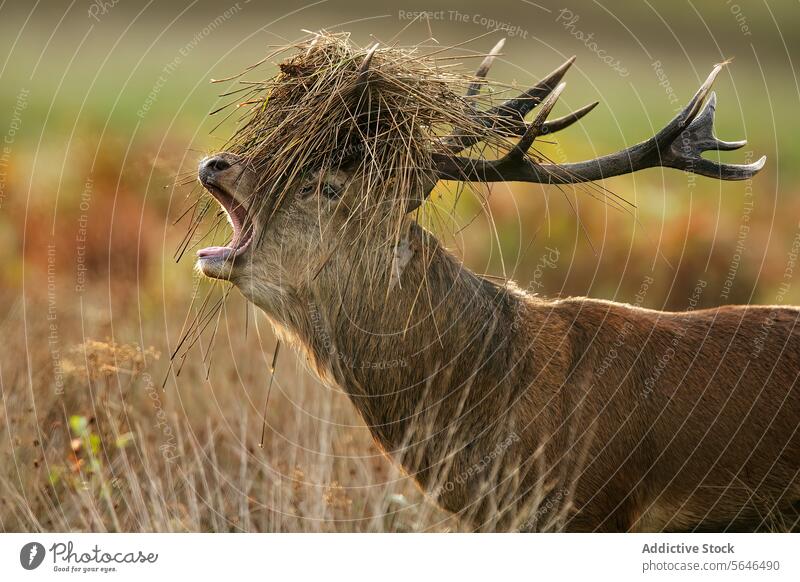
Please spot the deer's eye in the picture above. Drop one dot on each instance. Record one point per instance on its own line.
(307, 190)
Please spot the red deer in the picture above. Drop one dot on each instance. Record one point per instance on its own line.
(513, 411)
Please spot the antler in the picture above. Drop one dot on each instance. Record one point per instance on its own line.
(678, 145)
(363, 70)
(509, 117)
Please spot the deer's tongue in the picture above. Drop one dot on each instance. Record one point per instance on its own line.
(214, 252)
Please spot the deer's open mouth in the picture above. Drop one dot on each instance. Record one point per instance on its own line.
(240, 222)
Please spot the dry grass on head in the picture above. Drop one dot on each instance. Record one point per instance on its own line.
(319, 112)
(323, 111)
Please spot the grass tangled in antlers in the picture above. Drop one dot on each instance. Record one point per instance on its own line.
(318, 112)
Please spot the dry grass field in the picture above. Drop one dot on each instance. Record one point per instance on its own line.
(116, 452)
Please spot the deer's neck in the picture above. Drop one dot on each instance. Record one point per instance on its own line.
(436, 348)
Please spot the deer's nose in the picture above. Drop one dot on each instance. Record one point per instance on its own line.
(216, 164)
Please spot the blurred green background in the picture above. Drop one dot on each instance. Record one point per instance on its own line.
(107, 103)
(106, 115)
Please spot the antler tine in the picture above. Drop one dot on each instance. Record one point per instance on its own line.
(563, 122)
(688, 114)
(703, 126)
(559, 123)
(473, 89)
(534, 129)
(363, 70)
(679, 145)
(510, 115)
(520, 106)
(483, 70)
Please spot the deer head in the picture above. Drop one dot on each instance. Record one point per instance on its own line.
(274, 259)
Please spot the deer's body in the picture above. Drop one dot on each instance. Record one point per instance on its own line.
(642, 420)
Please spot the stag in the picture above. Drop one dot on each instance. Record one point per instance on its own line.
(513, 411)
